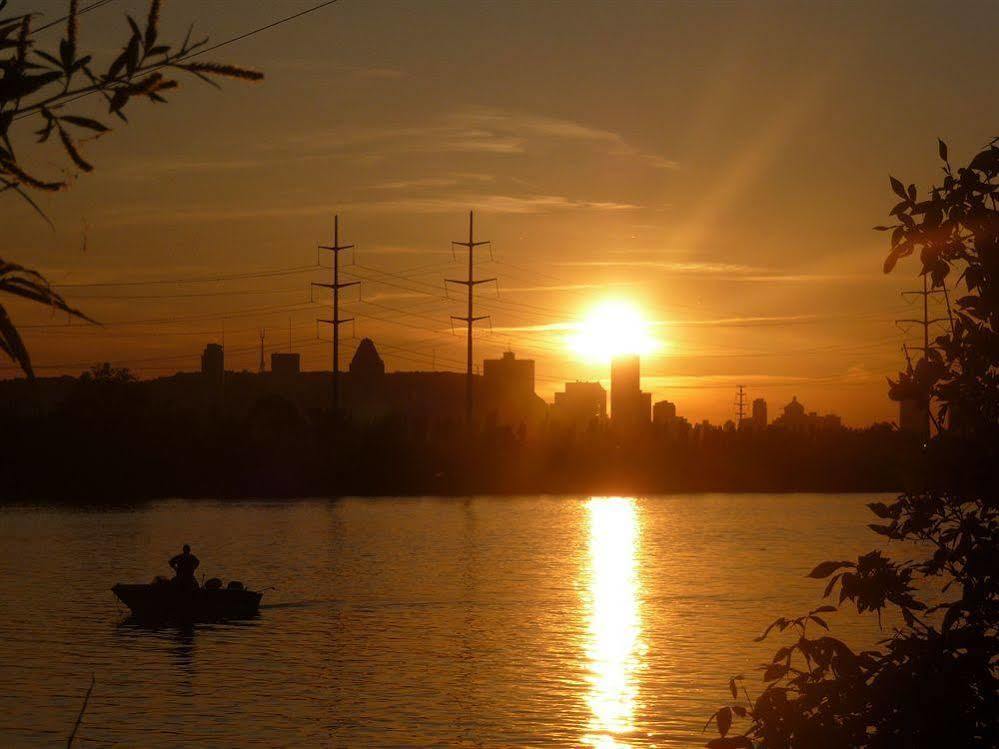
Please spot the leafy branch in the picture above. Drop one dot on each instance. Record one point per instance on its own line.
(46, 84)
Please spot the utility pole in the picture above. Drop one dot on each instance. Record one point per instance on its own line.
(336, 321)
(263, 331)
(740, 405)
(470, 319)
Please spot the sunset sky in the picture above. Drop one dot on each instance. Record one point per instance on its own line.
(719, 165)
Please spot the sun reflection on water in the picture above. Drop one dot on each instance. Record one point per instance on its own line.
(614, 647)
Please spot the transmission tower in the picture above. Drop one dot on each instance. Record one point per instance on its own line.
(263, 332)
(336, 321)
(926, 322)
(470, 319)
(740, 405)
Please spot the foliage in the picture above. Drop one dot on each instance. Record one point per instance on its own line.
(934, 681)
(40, 87)
(106, 374)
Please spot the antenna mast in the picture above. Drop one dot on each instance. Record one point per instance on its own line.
(336, 321)
(263, 332)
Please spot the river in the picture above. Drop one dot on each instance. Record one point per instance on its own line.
(491, 621)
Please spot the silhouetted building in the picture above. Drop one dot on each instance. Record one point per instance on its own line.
(581, 404)
(508, 397)
(366, 362)
(759, 419)
(664, 412)
(630, 407)
(509, 375)
(914, 416)
(796, 420)
(213, 362)
(664, 416)
(286, 365)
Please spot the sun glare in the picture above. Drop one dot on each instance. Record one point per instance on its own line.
(610, 329)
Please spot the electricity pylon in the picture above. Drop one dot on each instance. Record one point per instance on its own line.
(740, 405)
(470, 319)
(926, 322)
(337, 321)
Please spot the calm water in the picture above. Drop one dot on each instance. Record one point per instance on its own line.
(412, 622)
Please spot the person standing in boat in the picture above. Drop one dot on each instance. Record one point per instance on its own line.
(184, 566)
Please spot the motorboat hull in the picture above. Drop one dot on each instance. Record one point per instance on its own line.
(164, 601)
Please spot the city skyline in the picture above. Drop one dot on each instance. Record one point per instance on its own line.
(725, 193)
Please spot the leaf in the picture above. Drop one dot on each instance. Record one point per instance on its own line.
(898, 187)
(724, 720)
(85, 122)
(819, 620)
(880, 509)
(826, 568)
(775, 671)
(824, 609)
(943, 149)
(882, 530)
(733, 689)
(74, 154)
(12, 345)
(776, 623)
(226, 71)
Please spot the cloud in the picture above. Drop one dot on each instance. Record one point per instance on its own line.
(485, 203)
(452, 180)
(523, 124)
(726, 271)
(693, 268)
(479, 130)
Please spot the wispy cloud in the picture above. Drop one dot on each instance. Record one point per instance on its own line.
(479, 130)
(486, 203)
(694, 267)
(451, 180)
(726, 271)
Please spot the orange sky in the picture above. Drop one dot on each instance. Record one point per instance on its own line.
(720, 165)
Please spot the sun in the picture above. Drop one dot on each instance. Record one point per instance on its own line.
(612, 328)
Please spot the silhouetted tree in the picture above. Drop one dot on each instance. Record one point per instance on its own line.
(933, 682)
(44, 87)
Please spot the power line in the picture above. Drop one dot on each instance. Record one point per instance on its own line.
(192, 279)
(80, 12)
(205, 50)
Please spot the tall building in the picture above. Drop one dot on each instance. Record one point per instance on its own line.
(509, 376)
(508, 397)
(285, 365)
(759, 419)
(630, 407)
(213, 362)
(664, 412)
(580, 404)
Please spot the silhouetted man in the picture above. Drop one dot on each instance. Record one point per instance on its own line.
(184, 566)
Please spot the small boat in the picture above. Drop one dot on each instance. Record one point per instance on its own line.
(164, 601)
